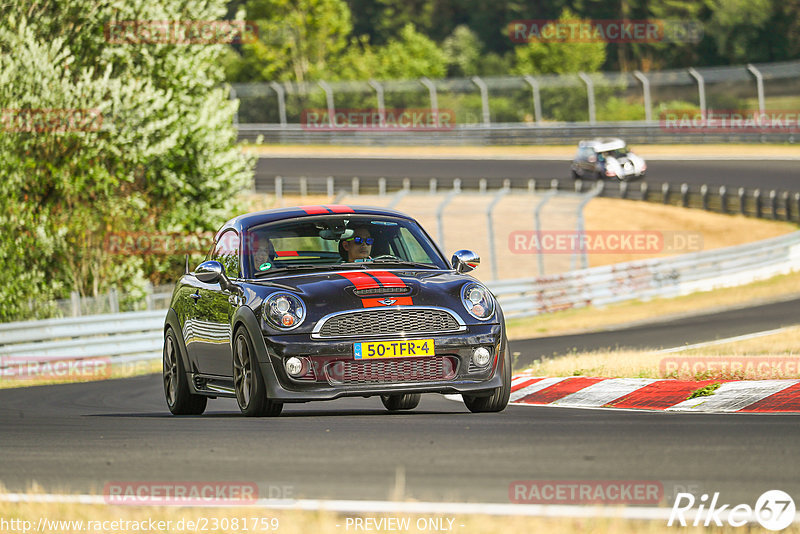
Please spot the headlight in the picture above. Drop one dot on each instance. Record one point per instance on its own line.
(477, 300)
(284, 311)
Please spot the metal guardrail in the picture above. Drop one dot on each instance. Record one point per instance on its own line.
(645, 279)
(566, 133)
(138, 335)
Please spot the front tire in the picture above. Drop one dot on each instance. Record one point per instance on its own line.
(251, 394)
(180, 399)
(407, 401)
(498, 400)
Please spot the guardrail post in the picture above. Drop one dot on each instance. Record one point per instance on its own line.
(797, 203)
(484, 99)
(355, 184)
(701, 88)
(113, 300)
(537, 99)
(648, 107)
(644, 189)
(75, 299)
(757, 199)
(685, 195)
(381, 186)
(490, 227)
(279, 190)
(590, 95)
(303, 186)
(457, 184)
(329, 186)
(578, 185)
(704, 196)
(759, 86)
(723, 199)
(432, 92)
(532, 186)
(482, 185)
(281, 92)
(773, 204)
(787, 206)
(623, 190)
(406, 184)
(665, 192)
(432, 186)
(329, 100)
(598, 188)
(507, 183)
(742, 208)
(554, 183)
(149, 299)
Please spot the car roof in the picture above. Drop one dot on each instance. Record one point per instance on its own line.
(248, 220)
(603, 145)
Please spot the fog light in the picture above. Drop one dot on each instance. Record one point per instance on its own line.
(481, 356)
(294, 366)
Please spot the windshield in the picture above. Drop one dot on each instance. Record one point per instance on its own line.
(339, 241)
(616, 153)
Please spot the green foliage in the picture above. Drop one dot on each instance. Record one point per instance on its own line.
(705, 391)
(546, 57)
(159, 154)
(463, 51)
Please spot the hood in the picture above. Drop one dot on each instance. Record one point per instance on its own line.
(332, 291)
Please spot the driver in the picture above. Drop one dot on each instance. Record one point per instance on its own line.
(358, 246)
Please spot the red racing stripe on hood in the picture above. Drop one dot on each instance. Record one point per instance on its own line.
(388, 279)
(361, 280)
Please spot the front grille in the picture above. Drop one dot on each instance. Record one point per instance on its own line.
(387, 321)
(391, 371)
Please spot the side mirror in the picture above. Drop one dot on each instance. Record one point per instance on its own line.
(464, 261)
(212, 272)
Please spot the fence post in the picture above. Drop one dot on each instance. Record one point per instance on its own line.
(537, 221)
(723, 199)
(484, 99)
(623, 190)
(704, 196)
(379, 94)
(797, 203)
(303, 186)
(532, 186)
(329, 100)
(665, 192)
(685, 195)
(329, 185)
(279, 190)
(113, 300)
(355, 185)
(490, 227)
(440, 209)
(149, 300)
(759, 85)
(381, 186)
(554, 183)
(773, 204)
(578, 185)
(75, 299)
(482, 185)
(757, 199)
(648, 107)
(701, 88)
(742, 208)
(281, 92)
(598, 188)
(432, 92)
(406, 184)
(537, 99)
(644, 189)
(590, 95)
(432, 186)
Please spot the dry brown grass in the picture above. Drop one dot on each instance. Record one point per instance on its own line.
(775, 356)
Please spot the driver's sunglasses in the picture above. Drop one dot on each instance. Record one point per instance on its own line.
(359, 240)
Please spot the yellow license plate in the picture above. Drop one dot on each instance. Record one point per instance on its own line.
(407, 348)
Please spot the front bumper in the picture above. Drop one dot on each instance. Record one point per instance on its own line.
(456, 348)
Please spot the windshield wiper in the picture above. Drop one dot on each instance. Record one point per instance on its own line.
(398, 261)
(306, 267)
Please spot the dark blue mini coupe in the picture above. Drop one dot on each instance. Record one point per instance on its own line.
(321, 302)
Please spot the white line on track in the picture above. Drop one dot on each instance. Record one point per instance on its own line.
(744, 337)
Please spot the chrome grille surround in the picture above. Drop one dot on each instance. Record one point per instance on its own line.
(388, 321)
(391, 370)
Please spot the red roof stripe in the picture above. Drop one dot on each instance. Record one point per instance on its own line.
(315, 210)
(339, 208)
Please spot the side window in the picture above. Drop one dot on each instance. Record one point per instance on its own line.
(415, 250)
(226, 251)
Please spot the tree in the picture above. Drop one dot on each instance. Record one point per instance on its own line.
(463, 51)
(102, 137)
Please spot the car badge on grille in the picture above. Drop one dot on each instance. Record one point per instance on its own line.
(387, 301)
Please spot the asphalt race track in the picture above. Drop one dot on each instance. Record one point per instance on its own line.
(79, 437)
(766, 174)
